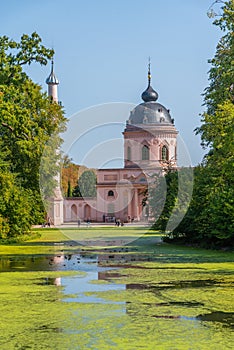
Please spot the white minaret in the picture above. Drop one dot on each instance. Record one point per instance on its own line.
(52, 82)
(56, 210)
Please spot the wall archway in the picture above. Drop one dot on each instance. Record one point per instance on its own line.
(87, 212)
(73, 212)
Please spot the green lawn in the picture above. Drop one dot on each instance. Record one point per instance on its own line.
(49, 240)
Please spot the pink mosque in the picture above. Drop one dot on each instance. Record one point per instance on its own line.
(150, 141)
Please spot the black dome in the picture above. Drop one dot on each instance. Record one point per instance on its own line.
(149, 95)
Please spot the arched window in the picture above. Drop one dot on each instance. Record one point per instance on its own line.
(110, 193)
(165, 153)
(145, 153)
(129, 155)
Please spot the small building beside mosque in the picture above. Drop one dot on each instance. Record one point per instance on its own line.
(150, 142)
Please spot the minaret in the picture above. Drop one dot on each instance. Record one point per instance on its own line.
(56, 211)
(52, 82)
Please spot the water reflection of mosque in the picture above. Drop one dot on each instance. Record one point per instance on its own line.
(98, 265)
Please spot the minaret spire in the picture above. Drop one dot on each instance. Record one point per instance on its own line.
(52, 83)
(52, 66)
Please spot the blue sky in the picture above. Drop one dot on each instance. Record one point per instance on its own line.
(102, 50)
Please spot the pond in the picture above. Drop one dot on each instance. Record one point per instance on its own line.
(145, 295)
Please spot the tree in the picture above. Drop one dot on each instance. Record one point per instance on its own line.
(217, 132)
(210, 218)
(222, 68)
(15, 207)
(28, 120)
(70, 175)
(86, 186)
(218, 213)
(169, 197)
(161, 196)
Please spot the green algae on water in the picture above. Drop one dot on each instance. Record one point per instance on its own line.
(182, 298)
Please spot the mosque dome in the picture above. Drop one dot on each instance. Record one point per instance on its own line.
(52, 79)
(150, 111)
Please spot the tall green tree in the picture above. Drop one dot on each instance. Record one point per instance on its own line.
(162, 196)
(28, 120)
(221, 72)
(169, 198)
(210, 219)
(15, 204)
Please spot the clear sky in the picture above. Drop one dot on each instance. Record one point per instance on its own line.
(102, 49)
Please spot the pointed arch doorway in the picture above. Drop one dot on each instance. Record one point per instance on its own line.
(73, 212)
(87, 212)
